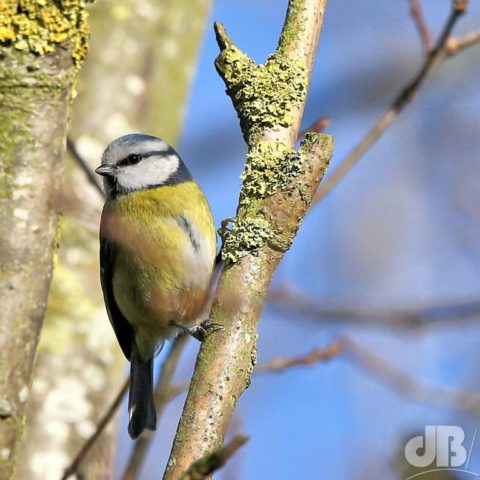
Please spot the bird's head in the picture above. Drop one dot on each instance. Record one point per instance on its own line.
(138, 162)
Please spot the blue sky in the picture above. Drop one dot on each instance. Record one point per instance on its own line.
(402, 229)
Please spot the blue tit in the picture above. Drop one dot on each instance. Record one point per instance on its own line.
(157, 256)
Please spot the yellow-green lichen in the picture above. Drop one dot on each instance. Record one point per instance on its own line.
(248, 235)
(39, 26)
(263, 95)
(293, 26)
(269, 167)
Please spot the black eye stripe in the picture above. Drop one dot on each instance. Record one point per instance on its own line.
(130, 160)
(134, 158)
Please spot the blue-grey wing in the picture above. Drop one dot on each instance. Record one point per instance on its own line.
(123, 329)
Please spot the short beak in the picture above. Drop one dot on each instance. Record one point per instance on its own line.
(105, 170)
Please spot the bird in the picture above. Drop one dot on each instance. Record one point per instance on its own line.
(157, 257)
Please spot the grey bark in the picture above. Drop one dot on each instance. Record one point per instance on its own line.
(35, 95)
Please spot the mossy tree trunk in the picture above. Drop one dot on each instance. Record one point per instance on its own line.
(136, 78)
(41, 49)
(32, 146)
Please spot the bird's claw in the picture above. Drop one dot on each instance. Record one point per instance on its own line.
(200, 332)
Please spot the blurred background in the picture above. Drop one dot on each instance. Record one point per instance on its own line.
(387, 264)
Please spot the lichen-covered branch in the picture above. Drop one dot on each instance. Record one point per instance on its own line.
(35, 93)
(278, 186)
(41, 27)
(228, 356)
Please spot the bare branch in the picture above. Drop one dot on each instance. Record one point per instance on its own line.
(319, 354)
(84, 166)
(390, 374)
(457, 44)
(419, 20)
(73, 467)
(405, 96)
(412, 317)
(163, 394)
(460, 5)
(212, 462)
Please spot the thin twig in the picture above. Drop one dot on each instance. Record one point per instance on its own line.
(421, 24)
(457, 44)
(412, 317)
(389, 373)
(164, 394)
(162, 397)
(319, 354)
(406, 95)
(203, 468)
(460, 5)
(85, 167)
(73, 467)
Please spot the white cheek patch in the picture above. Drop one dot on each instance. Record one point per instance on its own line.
(150, 171)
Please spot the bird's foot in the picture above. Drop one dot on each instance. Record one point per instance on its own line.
(199, 332)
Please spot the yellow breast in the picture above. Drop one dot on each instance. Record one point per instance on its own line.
(166, 251)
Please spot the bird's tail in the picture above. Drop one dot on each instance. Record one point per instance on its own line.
(141, 407)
